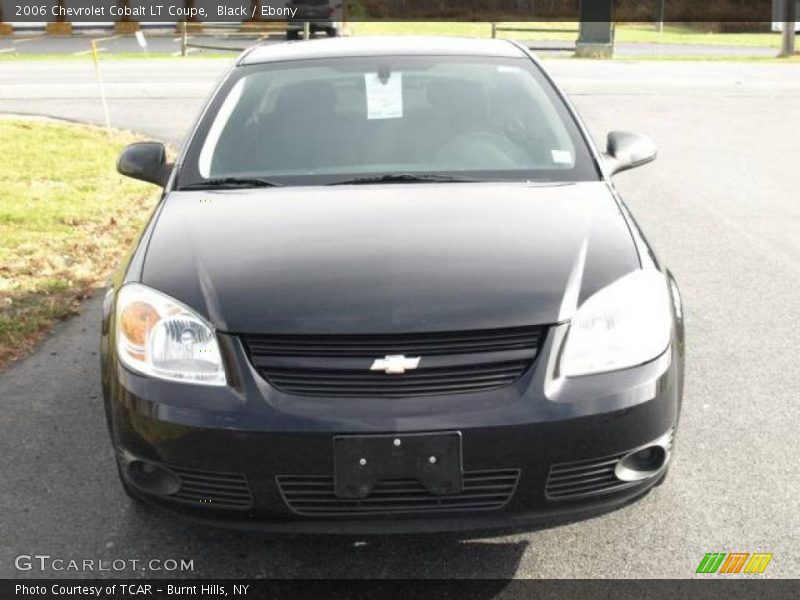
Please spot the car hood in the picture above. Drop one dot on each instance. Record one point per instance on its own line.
(388, 258)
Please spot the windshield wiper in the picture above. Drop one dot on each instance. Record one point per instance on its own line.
(231, 182)
(406, 178)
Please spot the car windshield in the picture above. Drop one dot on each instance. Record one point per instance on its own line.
(388, 119)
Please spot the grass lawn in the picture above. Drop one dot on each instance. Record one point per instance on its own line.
(625, 32)
(66, 218)
(680, 34)
(774, 60)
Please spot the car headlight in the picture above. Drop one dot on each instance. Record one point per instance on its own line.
(161, 337)
(625, 324)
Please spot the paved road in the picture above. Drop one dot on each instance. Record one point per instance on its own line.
(721, 205)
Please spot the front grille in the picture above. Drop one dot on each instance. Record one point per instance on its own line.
(423, 382)
(339, 366)
(482, 490)
(410, 344)
(211, 489)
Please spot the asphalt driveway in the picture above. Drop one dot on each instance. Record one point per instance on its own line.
(720, 205)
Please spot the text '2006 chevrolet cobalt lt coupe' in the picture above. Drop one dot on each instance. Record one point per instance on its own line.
(390, 287)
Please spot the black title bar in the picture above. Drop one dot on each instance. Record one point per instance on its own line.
(708, 588)
(237, 11)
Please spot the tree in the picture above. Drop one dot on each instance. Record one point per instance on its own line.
(189, 4)
(125, 6)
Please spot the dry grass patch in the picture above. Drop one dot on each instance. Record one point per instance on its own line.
(66, 218)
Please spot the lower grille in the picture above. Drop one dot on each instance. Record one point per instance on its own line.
(586, 478)
(213, 490)
(568, 481)
(482, 490)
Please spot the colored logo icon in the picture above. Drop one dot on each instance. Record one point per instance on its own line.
(734, 562)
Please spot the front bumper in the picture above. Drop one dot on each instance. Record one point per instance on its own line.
(319, 23)
(242, 451)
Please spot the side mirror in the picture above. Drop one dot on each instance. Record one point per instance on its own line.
(146, 161)
(628, 150)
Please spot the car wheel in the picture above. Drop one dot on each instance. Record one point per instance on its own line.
(292, 34)
(331, 32)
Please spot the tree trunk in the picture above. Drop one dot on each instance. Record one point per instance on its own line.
(255, 10)
(189, 4)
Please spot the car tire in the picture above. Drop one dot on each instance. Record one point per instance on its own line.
(331, 32)
(292, 35)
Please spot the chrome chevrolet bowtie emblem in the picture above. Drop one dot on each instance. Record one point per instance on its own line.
(395, 364)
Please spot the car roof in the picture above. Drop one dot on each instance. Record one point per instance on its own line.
(380, 46)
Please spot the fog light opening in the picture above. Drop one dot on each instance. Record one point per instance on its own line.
(153, 478)
(641, 464)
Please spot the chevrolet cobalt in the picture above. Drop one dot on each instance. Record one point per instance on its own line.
(390, 287)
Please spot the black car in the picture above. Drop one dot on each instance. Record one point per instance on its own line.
(319, 15)
(390, 287)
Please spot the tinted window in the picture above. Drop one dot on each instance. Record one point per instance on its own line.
(319, 121)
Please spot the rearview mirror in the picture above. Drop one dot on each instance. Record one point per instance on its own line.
(146, 161)
(628, 150)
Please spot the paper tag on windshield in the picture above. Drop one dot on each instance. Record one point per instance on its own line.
(384, 98)
(561, 157)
